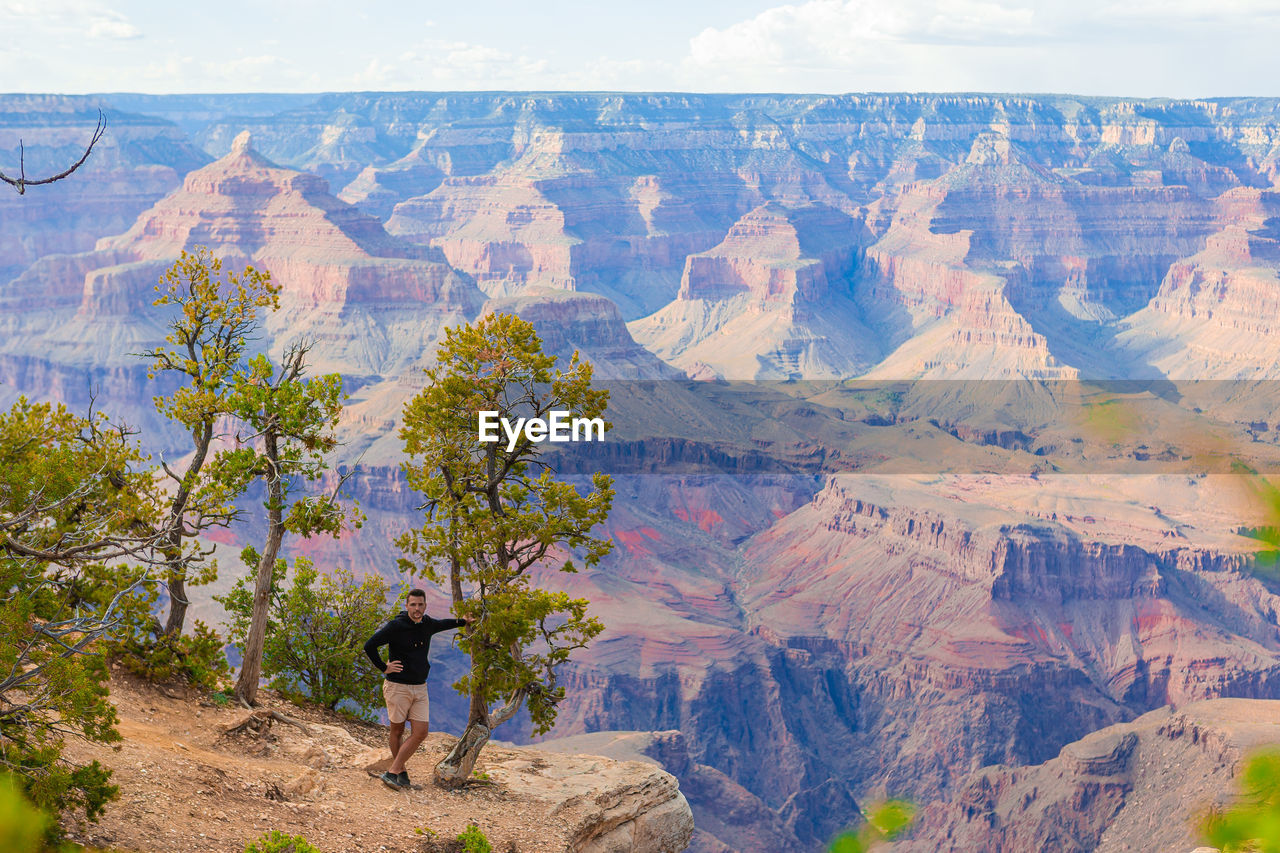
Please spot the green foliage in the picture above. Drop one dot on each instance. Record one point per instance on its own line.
(885, 822)
(196, 658)
(474, 841)
(74, 499)
(493, 514)
(300, 415)
(276, 841)
(71, 488)
(216, 312)
(316, 630)
(1253, 824)
(292, 420)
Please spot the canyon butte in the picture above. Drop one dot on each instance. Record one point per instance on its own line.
(942, 421)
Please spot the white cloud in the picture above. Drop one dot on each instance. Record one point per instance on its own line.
(69, 17)
(112, 28)
(1127, 47)
(442, 64)
(176, 73)
(1087, 46)
(839, 32)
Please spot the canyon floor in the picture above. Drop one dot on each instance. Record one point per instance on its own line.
(189, 786)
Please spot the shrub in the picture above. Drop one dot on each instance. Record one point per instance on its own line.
(316, 629)
(196, 658)
(74, 502)
(276, 841)
(473, 840)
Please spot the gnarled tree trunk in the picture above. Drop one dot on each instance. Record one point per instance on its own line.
(455, 769)
(251, 664)
(177, 606)
(175, 525)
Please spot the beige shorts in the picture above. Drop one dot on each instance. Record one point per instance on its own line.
(405, 701)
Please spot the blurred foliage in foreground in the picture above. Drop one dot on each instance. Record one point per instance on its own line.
(885, 822)
(1253, 823)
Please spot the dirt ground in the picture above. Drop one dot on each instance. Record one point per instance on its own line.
(186, 786)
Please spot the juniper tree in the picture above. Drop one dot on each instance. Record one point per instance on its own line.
(208, 335)
(76, 497)
(316, 625)
(494, 514)
(291, 419)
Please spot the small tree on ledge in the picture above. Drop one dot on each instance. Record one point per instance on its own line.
(493, 514)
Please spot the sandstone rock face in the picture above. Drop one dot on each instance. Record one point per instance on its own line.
(771, 301)
(726, 815)
(530, 226)
(610, 806)
(1212, 313)
(1003, 234)
(588, 324)
(372, 304)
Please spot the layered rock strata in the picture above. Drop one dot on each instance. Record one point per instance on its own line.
(771, 301)
(1140, 785)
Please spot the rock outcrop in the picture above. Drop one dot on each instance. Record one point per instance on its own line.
(588, 324)
(942, 598)
(726, 815)
(200, 778)
(372, 305)
(610, 806)
(1140, 785)
(1212, 316)
(771, 301)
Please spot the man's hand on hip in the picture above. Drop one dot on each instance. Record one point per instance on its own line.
(393, 666)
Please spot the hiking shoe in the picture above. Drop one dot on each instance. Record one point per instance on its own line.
(404, 779)
(392, 780)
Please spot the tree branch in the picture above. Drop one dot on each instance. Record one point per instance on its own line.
(21, 182)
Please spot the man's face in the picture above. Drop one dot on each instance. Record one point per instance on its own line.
(416, 607)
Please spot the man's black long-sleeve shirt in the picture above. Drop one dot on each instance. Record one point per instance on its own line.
(409, 643)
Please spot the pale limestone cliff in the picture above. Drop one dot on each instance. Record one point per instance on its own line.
(771, 301)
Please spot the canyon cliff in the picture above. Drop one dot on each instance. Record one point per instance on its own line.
(816, 598)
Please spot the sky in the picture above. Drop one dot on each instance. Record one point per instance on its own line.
(1138, 48)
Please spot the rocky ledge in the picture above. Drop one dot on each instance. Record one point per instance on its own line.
(1141, 785)
(198, 777)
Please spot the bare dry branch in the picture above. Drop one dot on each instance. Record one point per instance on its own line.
(21, 182)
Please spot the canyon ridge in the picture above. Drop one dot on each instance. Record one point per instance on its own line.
(942, 422)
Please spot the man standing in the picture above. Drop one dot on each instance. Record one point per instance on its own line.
(408, 637)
